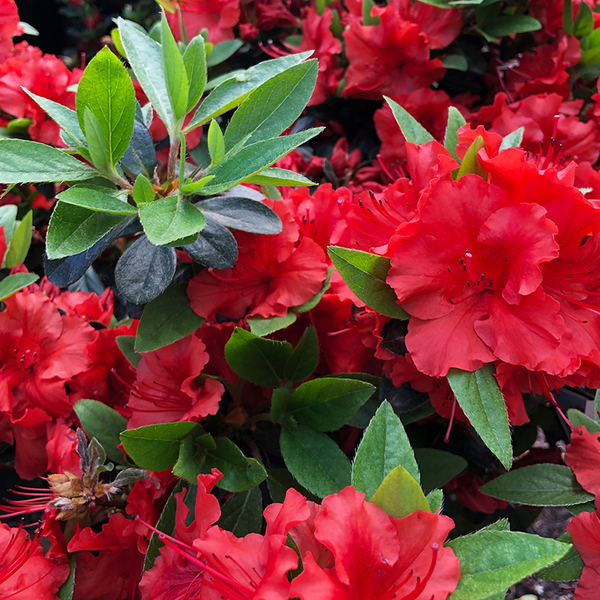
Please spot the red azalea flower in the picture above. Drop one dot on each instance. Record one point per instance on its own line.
(209, 562)
(166, 389)
(585, 532)
(274, 13)
(40, 351)
(583, 457)
(218, 16)
(388, 59)
(9, 27)
(377, 556)
(272, 273)
(44, 75)
(25, 572)
(471, 280)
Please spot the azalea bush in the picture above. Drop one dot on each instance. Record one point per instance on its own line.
(301, 300)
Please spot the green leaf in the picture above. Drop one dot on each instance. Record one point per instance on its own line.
(455, 122)
(412, 130)
(305, 357)
(194, 59)
(242, 214)
(275, 176)
(216, 144)
(257, 360)
(13, 283)
(169, 219)
(66, 589)
(538, 485)
(126, 345)
(239, 473)
(597, 405)
(437, 467)
(231, 92)
(65, 117)
(366, 274)
(73, 229)
(242, 513)
(265, 326)
(512, 140)
(568, 17)
(156, 447)
(367, 19)
(222, 51)
(470, 164)
(254, 158)
(96, 198)
(22, 161)
(584, 24)
(145, 57)
(175, 71)
(97, 142)
(399, 494)
(491, 561)
(279, 402)
(273, 106)
(189, 462)
(103, 423)
(384, 447)
(166, 319)
(314, 460)
(106, 90)
(508, 24)
(19, 242)
(435, 500)
(480, 398)
(143, 192)
(280, 481)
(568, 568)
(327, 404)
(166, 524)
(577, 418)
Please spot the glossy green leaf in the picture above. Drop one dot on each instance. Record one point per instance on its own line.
(242, 513)
(399, 494)
(175, 71)
(65, 117)
(314, 460)
(305, 357)
(169, 219)
(231, 92)
(242, 214)
(22, 161)
(73, 229)
(96, 198)
(366, 274)
(106, 90)
(568, 568)
(280, 481)
(166, 524)
(265, 326)
(279, 402)
(13, 283)
(156, 447)
(437, 467)
(480, 398)
(189, 462)
(491, 561)
(538, 485)
(508, 24)
(256, 359)
(194, 59)
(216, 144)
(145, 57)
(239, 473)
(455, 122)
(253, 159)
(273, 106)
(97, 142)
(384, 447)
(578, 418)
(327, 404)
(19, 242)
(104, 423)
(66, 589)
(126, 345)
(166, 319)
(275, 176)
(412, 130)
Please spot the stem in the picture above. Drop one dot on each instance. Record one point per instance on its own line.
(173, 155)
